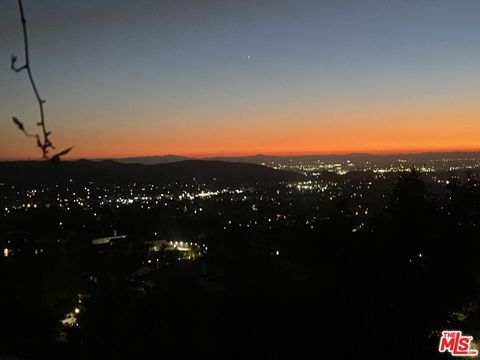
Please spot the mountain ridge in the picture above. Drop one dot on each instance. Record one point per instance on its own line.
(261, 158)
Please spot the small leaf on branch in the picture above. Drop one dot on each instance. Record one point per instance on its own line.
(18, 123)
(57, 156)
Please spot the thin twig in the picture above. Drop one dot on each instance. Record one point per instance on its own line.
(43, 142)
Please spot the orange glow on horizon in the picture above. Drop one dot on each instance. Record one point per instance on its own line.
(274, 152)
(378, 143)
(418, 129)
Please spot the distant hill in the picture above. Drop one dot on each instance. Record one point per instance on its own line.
(261, 158)
(266, 159)
(112, 172)
(151, 160)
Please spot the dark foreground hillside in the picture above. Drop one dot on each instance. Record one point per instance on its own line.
(283, 290)
(107, 172)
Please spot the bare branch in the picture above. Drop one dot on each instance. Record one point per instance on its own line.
(43, 140)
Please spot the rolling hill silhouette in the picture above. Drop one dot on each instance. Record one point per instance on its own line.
(263, 158)
(108, 172)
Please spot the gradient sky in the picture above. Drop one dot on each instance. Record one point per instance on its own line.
(144, 77)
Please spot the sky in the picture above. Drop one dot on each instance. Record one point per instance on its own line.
(201, 78)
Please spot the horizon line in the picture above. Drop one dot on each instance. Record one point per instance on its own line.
(271, 154)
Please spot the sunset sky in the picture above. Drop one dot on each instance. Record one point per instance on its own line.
(199, 78)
